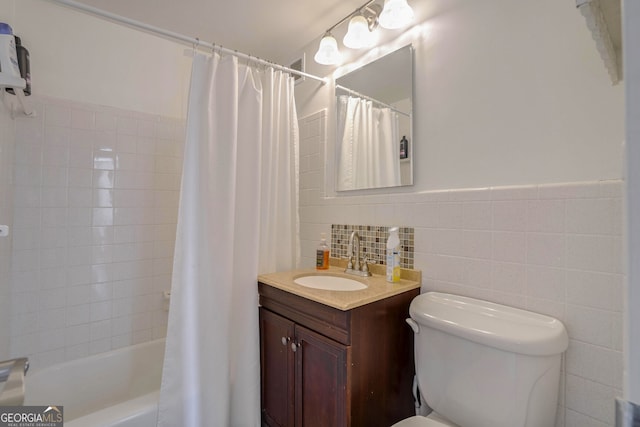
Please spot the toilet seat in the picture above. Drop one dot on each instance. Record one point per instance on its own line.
(418, 421)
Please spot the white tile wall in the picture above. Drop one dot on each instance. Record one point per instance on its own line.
(96, 199)
(7, 138)
(555, 249)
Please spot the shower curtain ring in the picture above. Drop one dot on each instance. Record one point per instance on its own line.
(195, 46)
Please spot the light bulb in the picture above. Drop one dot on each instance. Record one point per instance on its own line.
(328, 53)
(396, 14)
(358, 34)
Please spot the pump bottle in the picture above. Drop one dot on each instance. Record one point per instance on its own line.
(393, 255)
(322, 253)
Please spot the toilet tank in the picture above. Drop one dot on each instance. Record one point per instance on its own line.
(481, 364)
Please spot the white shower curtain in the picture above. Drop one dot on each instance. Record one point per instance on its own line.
(368, 145)
(237, 218)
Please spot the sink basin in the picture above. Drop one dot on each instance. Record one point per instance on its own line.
(330, 283)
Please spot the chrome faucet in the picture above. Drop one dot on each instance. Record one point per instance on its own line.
(12, 373)
(354, 265)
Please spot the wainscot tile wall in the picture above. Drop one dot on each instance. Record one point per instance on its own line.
(96, 196)
(555, 249)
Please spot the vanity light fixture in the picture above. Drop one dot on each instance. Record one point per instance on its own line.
(396, 14)
(362, 22)
(328, 53)
(361, 26)
(358, 35)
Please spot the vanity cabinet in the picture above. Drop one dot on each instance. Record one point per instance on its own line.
(326, 367)
(301, 360)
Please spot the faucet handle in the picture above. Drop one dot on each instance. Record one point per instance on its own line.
(364, 267)
(350, 263)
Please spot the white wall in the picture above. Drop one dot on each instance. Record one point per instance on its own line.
(518, 160)
(554, 249)
(6, 218)
(6, 206)
(79, 57)
(95, 185)
(506, 93)
(95, 205)
(632, 76)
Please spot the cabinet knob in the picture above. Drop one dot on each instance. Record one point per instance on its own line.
(285, 340)
(294, 346)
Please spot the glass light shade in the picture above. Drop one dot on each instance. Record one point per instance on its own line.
(358, 34)
(396, 14)
(328, 53)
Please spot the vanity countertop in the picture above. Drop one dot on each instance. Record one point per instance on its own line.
(377, 286)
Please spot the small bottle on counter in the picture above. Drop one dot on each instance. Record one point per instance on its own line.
(393, 255)
(322, 253)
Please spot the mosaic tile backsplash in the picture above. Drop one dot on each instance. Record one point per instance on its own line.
(373, 243)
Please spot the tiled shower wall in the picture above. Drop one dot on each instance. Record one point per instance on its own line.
(6, 218)
(96, 197)
(555, 249)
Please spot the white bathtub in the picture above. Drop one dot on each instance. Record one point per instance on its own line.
(119, 388)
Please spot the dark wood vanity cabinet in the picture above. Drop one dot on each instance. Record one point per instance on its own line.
(325, 367)
(306, 362)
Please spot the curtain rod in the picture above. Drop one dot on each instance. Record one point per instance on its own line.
(368, 98)
(180, 37)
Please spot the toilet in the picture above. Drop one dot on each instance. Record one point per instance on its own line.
(481, 364)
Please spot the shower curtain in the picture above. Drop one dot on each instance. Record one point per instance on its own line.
(368, 145)
(237, 218)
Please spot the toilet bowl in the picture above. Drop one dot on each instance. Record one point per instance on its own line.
(419, 421)
(481, 364)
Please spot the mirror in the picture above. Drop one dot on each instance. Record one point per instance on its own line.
(374, 105)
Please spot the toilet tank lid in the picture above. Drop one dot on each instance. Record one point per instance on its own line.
(495, 325)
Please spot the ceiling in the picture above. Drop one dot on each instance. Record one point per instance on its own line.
(272, 29)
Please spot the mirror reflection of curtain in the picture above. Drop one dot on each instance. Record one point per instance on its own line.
(368, 145)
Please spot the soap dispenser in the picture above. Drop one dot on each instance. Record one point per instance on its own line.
(322, 253)
(9, 68)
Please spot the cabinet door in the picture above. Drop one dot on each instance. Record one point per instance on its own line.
(277, 373)
(321, 380)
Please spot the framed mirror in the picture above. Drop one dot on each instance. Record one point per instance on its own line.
(374, 107)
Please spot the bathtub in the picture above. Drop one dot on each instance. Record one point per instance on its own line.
(119, 388)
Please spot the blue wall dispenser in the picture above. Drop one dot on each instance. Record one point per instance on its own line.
(10, 76)
(9, 68)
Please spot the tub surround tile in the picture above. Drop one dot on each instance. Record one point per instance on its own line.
(96, 209)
